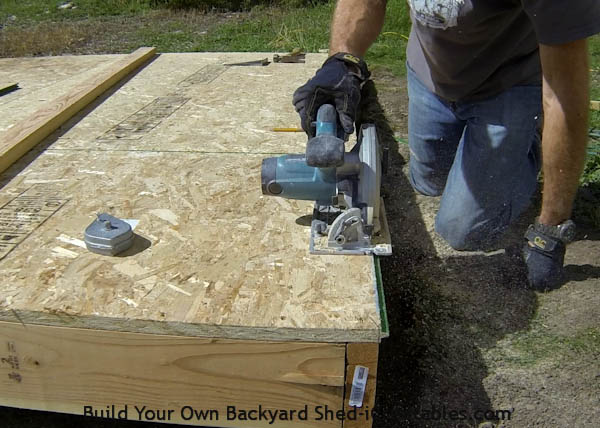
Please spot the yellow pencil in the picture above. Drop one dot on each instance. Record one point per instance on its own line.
(288, 130)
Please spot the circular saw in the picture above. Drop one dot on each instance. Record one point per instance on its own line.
(348, 216)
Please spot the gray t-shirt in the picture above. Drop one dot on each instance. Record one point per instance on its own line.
(474, 49)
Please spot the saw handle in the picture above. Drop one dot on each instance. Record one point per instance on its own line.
(328, 122)
(326, 149)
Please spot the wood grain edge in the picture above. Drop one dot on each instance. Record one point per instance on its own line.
(64, 369)
(177, 328)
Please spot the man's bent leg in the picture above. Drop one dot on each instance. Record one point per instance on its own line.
(495, 170)
(433, 136)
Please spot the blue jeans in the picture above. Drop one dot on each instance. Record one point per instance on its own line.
(483, 157)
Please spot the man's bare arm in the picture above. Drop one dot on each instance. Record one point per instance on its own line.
(355, 26)
(566, 103)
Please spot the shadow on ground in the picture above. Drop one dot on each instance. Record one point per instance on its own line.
(442, 311)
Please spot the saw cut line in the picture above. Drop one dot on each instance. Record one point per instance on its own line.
(200, 152)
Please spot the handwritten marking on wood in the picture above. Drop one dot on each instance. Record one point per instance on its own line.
(205, 75)
(12, 361)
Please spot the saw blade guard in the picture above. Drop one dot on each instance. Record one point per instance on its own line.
(369, 182)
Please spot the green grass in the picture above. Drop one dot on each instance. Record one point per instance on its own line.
(389, 50)
(533, 347)
(308, 29)
(587, 205)
(28, 11)
(267, 29)
(263, 29)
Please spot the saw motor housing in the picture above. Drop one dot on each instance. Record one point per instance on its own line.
(344, 185)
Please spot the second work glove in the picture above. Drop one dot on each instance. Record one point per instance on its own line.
(337, 82)
(544, 253)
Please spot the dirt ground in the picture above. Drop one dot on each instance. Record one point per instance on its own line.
(466, 333)
(470, 345)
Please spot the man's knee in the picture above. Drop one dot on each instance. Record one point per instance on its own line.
(456, 236)
(465, 235)
(424, 188)
(425, 181)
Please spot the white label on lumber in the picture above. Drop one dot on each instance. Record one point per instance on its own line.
(359, 384)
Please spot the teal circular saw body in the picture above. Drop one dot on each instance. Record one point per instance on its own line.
(348, 216)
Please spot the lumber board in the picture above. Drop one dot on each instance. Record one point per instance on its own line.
(179, 148)
(23, 136)
(42, 79)
(65, 369)
(365, 355)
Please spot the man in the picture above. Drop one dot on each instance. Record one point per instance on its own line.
(475, 72)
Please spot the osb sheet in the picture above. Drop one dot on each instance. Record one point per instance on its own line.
(227, 109)
(42, 79)
(214, 257)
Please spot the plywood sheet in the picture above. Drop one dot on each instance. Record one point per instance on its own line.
(215, 258)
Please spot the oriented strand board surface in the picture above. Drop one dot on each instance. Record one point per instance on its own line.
(179, 148)
(42, 79)
(173, 379)
(29, 132)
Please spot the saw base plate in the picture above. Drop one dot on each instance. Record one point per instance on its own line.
(381, 242)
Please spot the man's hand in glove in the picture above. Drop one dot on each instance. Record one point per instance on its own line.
(544, 254)
(337, 82)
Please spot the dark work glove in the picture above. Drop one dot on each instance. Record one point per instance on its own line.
(544, 257)
(337, 82)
